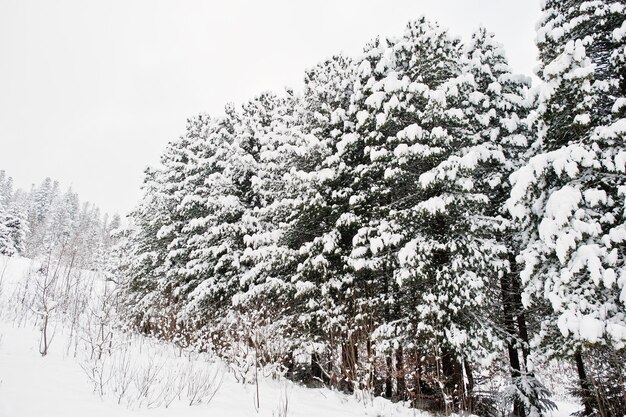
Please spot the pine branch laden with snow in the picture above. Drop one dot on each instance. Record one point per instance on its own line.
(569, 197)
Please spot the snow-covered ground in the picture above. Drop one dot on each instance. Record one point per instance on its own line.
(59, 384)
(136, 376)
(54, 385)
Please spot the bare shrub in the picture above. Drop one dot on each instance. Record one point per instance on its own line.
(99, 373)
(122, 376)
(146, 379)
(282, 409)
(203, 384)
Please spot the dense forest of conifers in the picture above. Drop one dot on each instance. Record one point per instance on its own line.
(49, 223)
(418, 222)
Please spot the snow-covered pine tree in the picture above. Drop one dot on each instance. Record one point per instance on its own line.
(341, 311)
(321, 116)
(89, 241)
(393, 92)
(110, 227)
(149, 302)
(288, 153)
(41, 200)
(190, 258)
(16, 227)
(442, 259)
(388, 102)
(63, 222)
(434, 165)
(6, 185)
(13, 217)
(498, 110)
(570, 196)
(219, 239)
(7, 241)
(19, 209)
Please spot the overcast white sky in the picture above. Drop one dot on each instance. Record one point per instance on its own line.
(91, 91)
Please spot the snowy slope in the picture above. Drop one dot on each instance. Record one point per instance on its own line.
(54, 385)
(59, 385)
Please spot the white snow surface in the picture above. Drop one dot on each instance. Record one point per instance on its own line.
(56, 385)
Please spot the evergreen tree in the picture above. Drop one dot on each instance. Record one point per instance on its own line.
(214, 223)
(13, 224)
(390, 100)
(317, 121)
(499, 113)
(570, 196)
(7, 243)
(155, 227)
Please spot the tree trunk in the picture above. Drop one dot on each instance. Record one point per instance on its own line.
(520, 318)
(316, 369)
(453, 378)
(459, 385)
(349, 353)
(508, 310)
(417, 383)
(388, 378)
(585, 388)
(469, 390)
(518, 308)
(400, 382)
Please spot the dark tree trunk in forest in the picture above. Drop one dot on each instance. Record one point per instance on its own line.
(378, 383)
(316, 369)
(459, 384)
(350, 357)
(469, 375)
(388, 378)
(585, 388)
(508, 310)
(518, 308)
(417, 381)
(453, 378)
(371, 377)
(400, 382)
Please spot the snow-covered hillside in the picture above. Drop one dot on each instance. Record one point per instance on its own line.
(135, 376)
(56, 385)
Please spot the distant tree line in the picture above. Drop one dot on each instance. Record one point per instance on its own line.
(52, 224)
